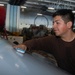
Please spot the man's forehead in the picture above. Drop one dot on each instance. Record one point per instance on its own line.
(57, 18)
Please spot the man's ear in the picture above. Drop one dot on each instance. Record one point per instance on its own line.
(69, 24)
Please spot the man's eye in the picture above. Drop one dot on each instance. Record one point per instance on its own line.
(57, 23)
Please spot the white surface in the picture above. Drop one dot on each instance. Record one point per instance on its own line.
(14, 63)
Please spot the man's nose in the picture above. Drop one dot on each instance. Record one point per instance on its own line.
(54, 25)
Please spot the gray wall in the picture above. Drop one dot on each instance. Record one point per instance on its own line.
(24, 19)
(31, 17)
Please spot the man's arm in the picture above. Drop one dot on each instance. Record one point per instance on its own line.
(43, 43)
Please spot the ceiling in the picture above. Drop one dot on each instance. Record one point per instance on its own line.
(42, 5)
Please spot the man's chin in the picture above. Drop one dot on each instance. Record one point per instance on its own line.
(57, 34)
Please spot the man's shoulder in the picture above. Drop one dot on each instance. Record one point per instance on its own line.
(52, 36)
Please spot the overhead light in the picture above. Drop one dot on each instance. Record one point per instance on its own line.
(39, 14)
(23, 7)
(1, 4)
(51, 8)
(73, 11)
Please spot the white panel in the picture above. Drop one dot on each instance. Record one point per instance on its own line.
(7, 17)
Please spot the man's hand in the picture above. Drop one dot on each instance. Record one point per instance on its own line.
(22, 46)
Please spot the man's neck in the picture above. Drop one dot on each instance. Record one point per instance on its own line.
(69, 37)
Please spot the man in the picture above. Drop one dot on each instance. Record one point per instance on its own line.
(62, 46)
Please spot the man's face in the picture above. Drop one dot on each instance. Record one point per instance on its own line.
(59, 26)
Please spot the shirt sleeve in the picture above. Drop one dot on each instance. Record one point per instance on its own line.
(44, 43)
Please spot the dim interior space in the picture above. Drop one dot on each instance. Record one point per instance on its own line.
(24, 20)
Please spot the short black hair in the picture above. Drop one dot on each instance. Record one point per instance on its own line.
(66, 14)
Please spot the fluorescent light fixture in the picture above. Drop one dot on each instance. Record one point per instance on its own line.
(39, 14)
(73, 11)
(51, 8)
(23, 7)
(1, 4)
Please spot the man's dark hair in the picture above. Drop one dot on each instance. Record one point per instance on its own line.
(66, 14)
